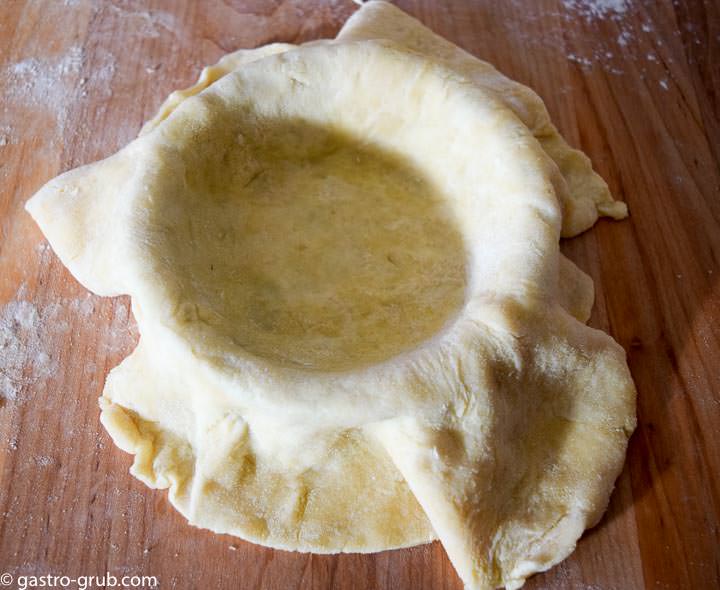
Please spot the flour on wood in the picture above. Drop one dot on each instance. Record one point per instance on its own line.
(31, 335)
(23, 356)
(42, 81)
(591, 9)
(623, 53)
(51, 85)
(145, 24)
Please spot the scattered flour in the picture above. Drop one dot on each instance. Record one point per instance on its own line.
(23, 356)
(51, 86)
(43, 81)
(610, 55)
(591, 9)
(44, 461)
(624, 38)
(147, 24)
(583, 61)
(596, 10)
(30, 337)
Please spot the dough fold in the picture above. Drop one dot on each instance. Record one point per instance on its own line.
(509, 492)
(585, 195)
(231, 470)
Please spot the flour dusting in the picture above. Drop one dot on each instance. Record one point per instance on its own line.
(31, 336)
(592, 9)
(623, 53)
(43, 81)
(24, 359)
(624, 38)
(51, 85)
(146, 23)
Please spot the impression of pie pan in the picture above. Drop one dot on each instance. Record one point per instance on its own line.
(263, 217)
(343, 219)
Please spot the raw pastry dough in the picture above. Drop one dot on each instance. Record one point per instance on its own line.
(584, 195)
(346, 367)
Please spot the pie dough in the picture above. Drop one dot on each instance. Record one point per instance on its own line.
(357, 330)
(584, 196)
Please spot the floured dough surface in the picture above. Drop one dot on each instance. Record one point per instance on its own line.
(357, 330)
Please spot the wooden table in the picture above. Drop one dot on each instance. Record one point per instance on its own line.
(633, 84)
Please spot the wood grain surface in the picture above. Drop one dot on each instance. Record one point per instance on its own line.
(634, 84)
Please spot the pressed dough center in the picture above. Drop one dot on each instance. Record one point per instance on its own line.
(311, 250)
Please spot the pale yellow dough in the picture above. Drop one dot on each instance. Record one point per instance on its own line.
(584, 195)
(357, 330)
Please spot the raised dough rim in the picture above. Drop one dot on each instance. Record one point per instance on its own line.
(249, 374)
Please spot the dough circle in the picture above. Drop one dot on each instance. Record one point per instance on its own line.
(357, 331)
(252, 126)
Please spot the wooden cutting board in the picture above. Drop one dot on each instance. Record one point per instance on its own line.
(635, 85)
